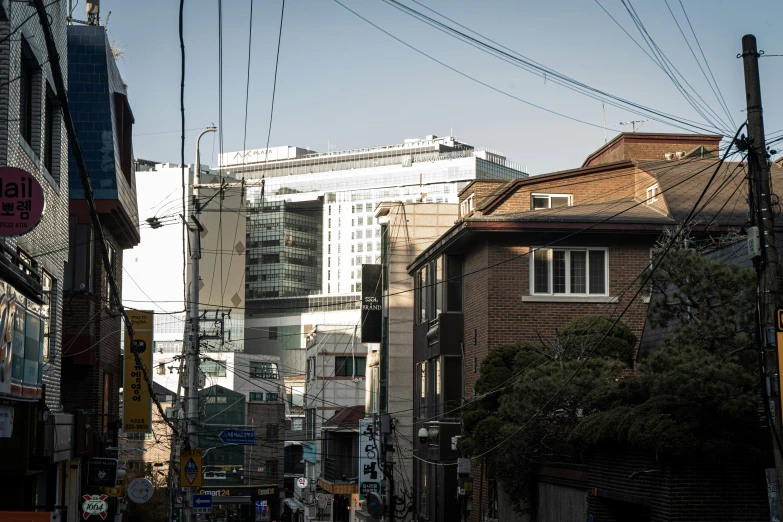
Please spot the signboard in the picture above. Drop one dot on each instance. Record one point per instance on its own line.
(190, 468)
(6, 422)
(137, 406)
(102, 473)
(95, 505)
(27, 516)
(140, 490)
(21, 201)
(372, 311)
(238, 437)
(301, 482)
(779, 338)
(369, 449)
(115, 492)
(254, 492)
(178, 501)
(202, 504)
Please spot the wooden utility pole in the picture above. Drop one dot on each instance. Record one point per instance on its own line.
(763, 218)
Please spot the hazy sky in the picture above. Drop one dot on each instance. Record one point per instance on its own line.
(345, 83)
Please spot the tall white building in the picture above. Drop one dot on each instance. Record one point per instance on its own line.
(312, 227)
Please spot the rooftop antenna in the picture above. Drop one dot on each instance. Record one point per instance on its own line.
(633, 123)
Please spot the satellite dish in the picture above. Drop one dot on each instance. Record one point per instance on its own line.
(374, 504)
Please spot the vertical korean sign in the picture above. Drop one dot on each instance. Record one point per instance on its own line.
(372, 311)
(369, 450)
(137, 405)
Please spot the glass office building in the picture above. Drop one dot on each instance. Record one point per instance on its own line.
(312, 227)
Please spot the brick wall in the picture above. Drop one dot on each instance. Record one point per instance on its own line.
(605, 186)
(641, 147)
(731, 491)
(48, 242)
(495, 310)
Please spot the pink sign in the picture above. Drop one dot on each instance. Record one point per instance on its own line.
(21, 201)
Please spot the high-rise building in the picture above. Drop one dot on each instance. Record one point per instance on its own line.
(311, 228)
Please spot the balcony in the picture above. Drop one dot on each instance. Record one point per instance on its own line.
(441, 336)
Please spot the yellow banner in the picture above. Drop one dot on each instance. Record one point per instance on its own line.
(190, 468)
(137, 405)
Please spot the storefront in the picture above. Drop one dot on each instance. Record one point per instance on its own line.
(243, 504)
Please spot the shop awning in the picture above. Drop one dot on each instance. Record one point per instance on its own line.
(294, 504)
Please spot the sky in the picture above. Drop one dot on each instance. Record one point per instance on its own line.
(342, 83)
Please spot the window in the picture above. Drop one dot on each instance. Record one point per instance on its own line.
(273, 333)
(297, 396)
(368, 207)
(359, 234)
(272, 397)
(47, 282)
(138, 436)
(344, 366)
(369, 220)
(466, 207)
(111, 273)
(541, 201)
(267, 259)
(78, 272)
(161, 369)
(271, 468)
(51, 135)
(310, 424)
(29, 80)
(652, 194)
(214, 368)
(256, 397)
(272, 431)
(123, 118)
(569, 271)
(297, 423)
(360, 221)
(263, 370)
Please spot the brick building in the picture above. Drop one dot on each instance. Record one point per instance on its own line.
(37, 434)
(92, 362)
(530, 255)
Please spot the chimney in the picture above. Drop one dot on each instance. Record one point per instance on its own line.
(93, 12)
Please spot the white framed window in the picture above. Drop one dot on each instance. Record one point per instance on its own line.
(652, 194)
(569, 271)
(466, 207)
(542, 201)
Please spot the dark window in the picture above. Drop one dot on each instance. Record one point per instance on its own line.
(111, 273)
(51, 134)
(273, 333)
(78, 267)
(124, 129)
(256, 396)
(454, 284)
(271, 468)
(344, 366)
(272, 397)
(263, 370)
(270, 258)
(272, 431)
(569, 271)
(28, 74)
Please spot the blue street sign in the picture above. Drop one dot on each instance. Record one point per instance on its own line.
(238, 436)
(202, 503)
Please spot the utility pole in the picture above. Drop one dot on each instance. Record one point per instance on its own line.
(766, 265)
(192, 359)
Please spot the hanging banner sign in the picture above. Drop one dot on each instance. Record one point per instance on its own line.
(369, 470)
(136, 401)
(372, 311)
(21, 201)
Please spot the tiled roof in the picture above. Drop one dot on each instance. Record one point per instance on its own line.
(627, 210)
(347, 417)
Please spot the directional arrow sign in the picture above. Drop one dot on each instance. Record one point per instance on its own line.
(238, 437)
(202, 503)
